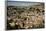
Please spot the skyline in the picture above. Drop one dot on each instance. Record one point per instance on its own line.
(22, 3)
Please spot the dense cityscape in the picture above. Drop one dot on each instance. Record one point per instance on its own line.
(22, 17)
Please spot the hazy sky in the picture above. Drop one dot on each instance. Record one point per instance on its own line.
(19, 3)
(26, 0)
